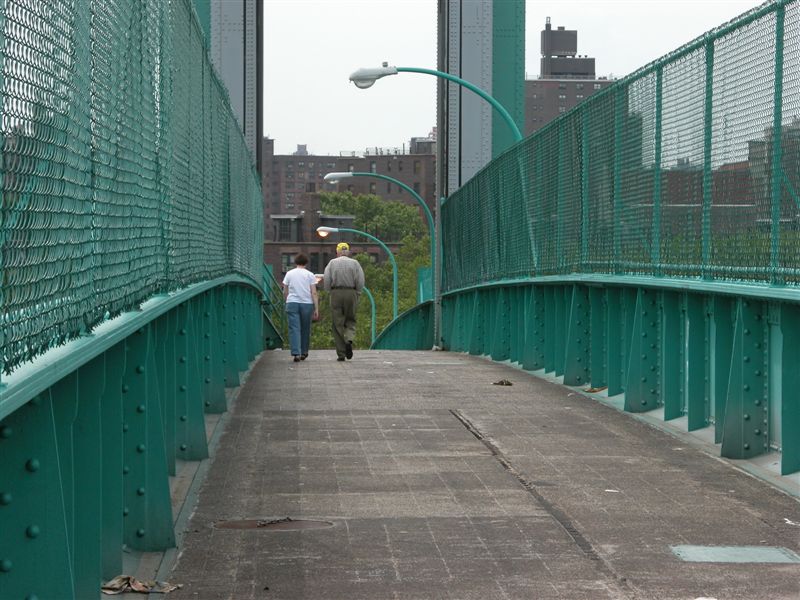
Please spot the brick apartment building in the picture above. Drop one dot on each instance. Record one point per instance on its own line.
(291, 185)
(566, 79)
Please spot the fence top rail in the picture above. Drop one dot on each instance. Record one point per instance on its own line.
(32, 378)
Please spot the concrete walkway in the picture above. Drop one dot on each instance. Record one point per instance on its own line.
(439, 484)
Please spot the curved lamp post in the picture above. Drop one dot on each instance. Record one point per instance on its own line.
(324, 231)
(334, 177)
(372, 302)
(365, 78)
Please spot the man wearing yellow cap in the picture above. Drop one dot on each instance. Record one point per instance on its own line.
(344, 279)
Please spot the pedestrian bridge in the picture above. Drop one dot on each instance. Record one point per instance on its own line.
(641, 250)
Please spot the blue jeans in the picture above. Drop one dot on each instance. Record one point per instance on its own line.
(299, 318)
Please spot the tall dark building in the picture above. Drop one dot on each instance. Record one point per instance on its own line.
(566, 78)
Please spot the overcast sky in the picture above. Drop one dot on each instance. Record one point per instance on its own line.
(312, 46)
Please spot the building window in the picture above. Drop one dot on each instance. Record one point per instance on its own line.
(301, 164)
(350, 167)
(330, 166)
(562, 109)
(389, 166)
(311, 186)
(289, 205)
(562, 86)
(373, 168)
(315, 266)
(417, 166)
(578, 86)
(417, 187)
(579, 96)
(372, 188)
(562, 96)
(597, 86)
(287, 262)
(350, 188)
(284, 229)
(310, 165)
(400, 165)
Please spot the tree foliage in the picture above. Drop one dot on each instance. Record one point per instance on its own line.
(387, 221)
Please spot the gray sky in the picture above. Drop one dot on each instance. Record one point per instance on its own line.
(312, 46)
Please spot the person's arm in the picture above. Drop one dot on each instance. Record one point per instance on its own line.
(359, 278)
(315, 298)
(326, 278)
(285, 288)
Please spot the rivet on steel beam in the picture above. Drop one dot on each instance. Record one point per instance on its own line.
(140, 532)
(652, 368)
(140, 491)
(183, 388)
(140, 369)
(224, 360)
(644, 379)
(746, 387)
(141, 408)
(126, 511)
(644, 402)
(32, 465)
(207, 358)
(206, 335)
(747, 446)
(124, 427)
(224, 342)
(31, 597)
(746, 417)
(757, 432)
(208, 403)
(125, 389)
(183, 417)
(578, 359)
(183, 447)
(140, 448)
(183, 332)
(757, 373)
(746, 359)
(6, 498)
(758, 403)
(644, 356)
(126, 469)
(206, 314)
(758, 345)
(644, 334)
(182, 359)
(32, 531)
(6, 432)
(747, 332)
(6, 565)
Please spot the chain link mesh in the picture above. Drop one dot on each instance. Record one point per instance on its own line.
(123, 173)
(674, 171)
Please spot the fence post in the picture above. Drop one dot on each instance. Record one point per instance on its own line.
(777, 150)
(655, 248)
(707, 172)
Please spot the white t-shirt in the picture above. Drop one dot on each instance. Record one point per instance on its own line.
(299, 282)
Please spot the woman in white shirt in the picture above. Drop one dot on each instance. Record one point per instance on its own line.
(302, 303)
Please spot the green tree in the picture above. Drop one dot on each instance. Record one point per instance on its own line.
(387, 221)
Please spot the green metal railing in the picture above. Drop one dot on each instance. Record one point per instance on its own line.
(124, 173)
(689, 167)
(647, 243)
(273, 306)
(132, 287)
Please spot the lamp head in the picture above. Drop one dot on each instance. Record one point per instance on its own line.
(365, 78)
(334, 177)
(323, 232)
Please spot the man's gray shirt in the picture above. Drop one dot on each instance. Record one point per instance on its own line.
(343, 272)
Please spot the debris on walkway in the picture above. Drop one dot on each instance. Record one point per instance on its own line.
(502, 382)
(127, 583)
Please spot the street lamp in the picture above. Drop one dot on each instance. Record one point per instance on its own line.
(334, 177)
(324, 231)
(365, 78)
(372, 302)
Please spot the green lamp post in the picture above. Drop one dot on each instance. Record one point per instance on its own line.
(324, 231)
(334, 177)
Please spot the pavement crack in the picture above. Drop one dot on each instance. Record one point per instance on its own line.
(624, 587)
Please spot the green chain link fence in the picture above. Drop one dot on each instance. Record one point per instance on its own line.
(673, 171)
(124, 173)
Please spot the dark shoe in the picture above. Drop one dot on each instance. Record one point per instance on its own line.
(340, 358)
(303, 356)
(296, 359)
(348, 350)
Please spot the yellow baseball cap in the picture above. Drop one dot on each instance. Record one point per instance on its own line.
(342, 246)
